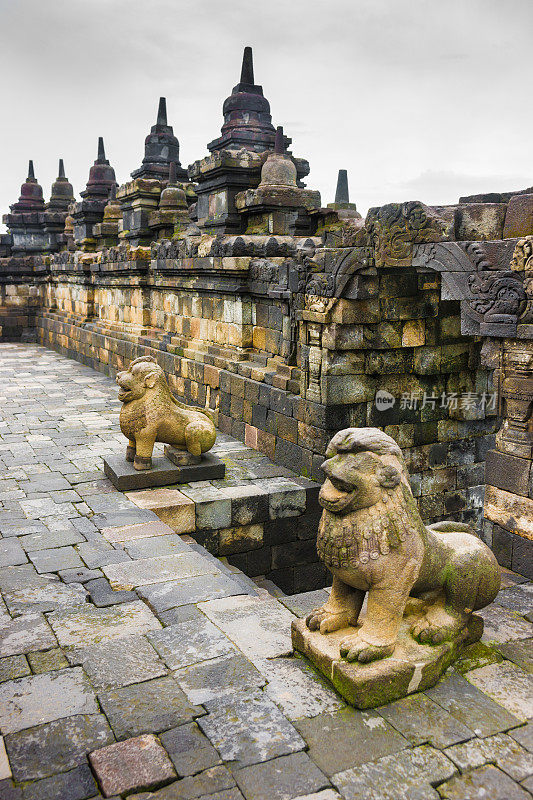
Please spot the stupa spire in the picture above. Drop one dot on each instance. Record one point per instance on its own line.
(101, 150)
(31, 173)
(61, 170)
(342, 195)
(279, 141)
(162, 112)
(247, 70)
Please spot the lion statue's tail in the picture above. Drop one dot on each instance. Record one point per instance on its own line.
(449, 526)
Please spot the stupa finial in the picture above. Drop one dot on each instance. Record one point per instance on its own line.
(247, 71)
(101, 150)
(61, 170)
(31, 173)
(279, 141)
(162, 112)
(342, 194)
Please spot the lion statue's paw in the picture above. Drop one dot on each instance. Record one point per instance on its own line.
(355, 648)
(326, 621)
(429, 630)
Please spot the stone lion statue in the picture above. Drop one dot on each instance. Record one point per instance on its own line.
(151, 414)
(373, 540)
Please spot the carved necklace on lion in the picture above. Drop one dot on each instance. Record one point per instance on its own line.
(362, 536)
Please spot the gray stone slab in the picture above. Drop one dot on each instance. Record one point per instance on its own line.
(259, 627)
(190, 751)
(303, 603)
(248, 727)
(125, 477)
(102, 594)
(153, 546)
(88, 625)
(56, 746)
(520, 653)
(11, 553)
(508, 685)
(297, 689)
(480, 784)
(13, 667)
(148, 707)
(144, 571)
(359, 736)
(218, 676)
(99, 556)
(55, 559)
(77, 784)
(471, 706)
(422, 720)
(215, 783)
(13, 578)
(407, 775)
(190, 643)
(53, 596)
(26, 702)
(175, 616)
(120, 662)
(504, 625)
(500, 749)
(281, 778)
(524, 736)
(47, 538)
(80, 575)
(24, 634)
(518, 598)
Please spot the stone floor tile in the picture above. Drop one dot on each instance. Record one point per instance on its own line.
(54, 559)
(303, 603)
(43, 540)
(175, 616)
(52, 596)
(103, 595)
(408, 775)
(359, 736)
(190, 751)
(422, 720)
(89, 625)
(139, 763)
(297, 689)
(481, 784)
(508, 685)
(153, 546)
(5, 767)
(216, 783)
(212, 679)
(26, 702)
(157, 570)
(140, 530)
(162, 596)
(247, 728)
(77, 784)
(325, 794)
(24, 634)
(476, 655)
(171, 505)
(503, 625)
(56, 746)
(149, 707)
(524, 736)
(528, 785)
(190, 642)
(11, 553)
(13, 667)
(120, 662)
(117, 519)
(95, 557)
(260, 628)
(25, 576)
(80, 575)
(518, 598)
(500, 749)
(471, 706)
(521, 653)
(47, 660)
(281, 778)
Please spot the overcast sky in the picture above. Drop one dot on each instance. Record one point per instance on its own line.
(417, 99)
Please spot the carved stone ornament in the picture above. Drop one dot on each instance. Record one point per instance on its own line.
(394, 228)
(422, 583)
(500, 297)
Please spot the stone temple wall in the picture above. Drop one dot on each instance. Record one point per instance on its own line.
(288, 350)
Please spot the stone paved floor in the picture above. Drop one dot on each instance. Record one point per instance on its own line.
(186, 686)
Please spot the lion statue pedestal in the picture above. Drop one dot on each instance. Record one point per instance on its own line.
(150, 414)
(421, 583)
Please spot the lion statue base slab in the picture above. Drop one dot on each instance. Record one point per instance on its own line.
(421, 583)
